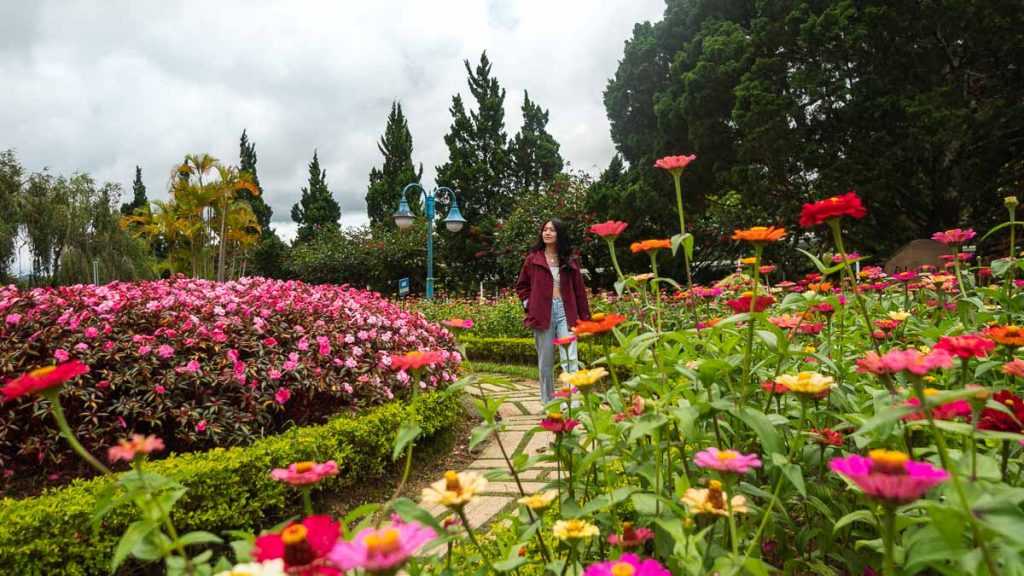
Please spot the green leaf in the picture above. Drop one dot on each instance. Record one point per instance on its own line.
(479, 434)
(1001, 265)
(408, 510)
(406, 434)
(646, 425)
(995, 229)
(199, 537)
(817, 263)
(509, 564)
(759, 423)
(856, 516)
(619, 285)
(135, 533)
(793, 473)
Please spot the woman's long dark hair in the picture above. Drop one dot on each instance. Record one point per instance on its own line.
(561, 240)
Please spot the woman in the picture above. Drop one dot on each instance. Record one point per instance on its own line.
(551, 289)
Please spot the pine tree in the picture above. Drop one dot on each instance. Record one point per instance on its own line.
(478, 163)
(139, 198)
(317, 208)
(386, 183)
(533, 151)
(247, 163)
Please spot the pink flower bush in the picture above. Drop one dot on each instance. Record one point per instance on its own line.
(627, 564)
(888, 476)
(303, 473)
(381, 550)
(726, 460)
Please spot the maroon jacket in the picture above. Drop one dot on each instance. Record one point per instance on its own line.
(535, 285)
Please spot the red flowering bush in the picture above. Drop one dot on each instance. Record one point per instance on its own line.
(200, 363)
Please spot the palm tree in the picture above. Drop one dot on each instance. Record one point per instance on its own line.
(224, 193)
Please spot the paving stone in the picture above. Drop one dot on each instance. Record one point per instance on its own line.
(542, 439)
(485, 508)
(536, 474)
(510, 440)
(512, 488)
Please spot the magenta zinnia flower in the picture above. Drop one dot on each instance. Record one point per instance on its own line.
(966, 346)
(303, 547)
(954, 237)
(558, 424)
(382, 550)
(303, 473)
(609, 230)
(913, 361)
(889, 476)
(726, 460)
(630, 537)
(627, 564)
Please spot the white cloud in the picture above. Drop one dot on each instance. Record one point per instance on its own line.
(101, 87)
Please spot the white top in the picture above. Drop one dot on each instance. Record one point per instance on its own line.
(554, 274)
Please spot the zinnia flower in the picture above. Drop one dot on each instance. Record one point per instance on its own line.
(954, 237)
(711, 500)
(564, 341)
(848, 204)
(303, 547)
(674, 163)
(540, 500)
(455, 490)
(574, 530)
(1008, 335)
(889, 476)
(742, 304)
(650, 246)
(806, 383)
(557, 423)
(948, 411)
(303, 473)
(583, 379)
(992, 419)
(609, 230)
(268, 568)
(598, 324)
(966, 346)
(383, 550)
(458, 323)
(416, 359)
(627, 565)
(139, 444)
(726, 460)
(630, 536)
(1014, 368)
(42, 379)
(759, 234)
(913, 361)
(826, 436)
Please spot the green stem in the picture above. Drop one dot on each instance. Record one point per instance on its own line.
(615, 260)
(749, 346)
(53, 395)
(676, 174)
(837, 237)
(657, 291)
(165, 517)
(889, 540)
(307, 500)
(472, 537)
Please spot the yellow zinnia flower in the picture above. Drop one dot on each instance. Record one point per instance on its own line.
(711, 500)
(900, 315)
(806, 382)
(574, 530)
(583, 379)
(540, 500)
(455, 490)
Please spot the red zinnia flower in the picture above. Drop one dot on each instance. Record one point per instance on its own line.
(848, 204)
(966, 346)
(992, 419)
(742, 304)
(826, 436)
(416, 359)
(673, 163)
(304, 547)
(609, 230)
(42, 379)
(558, 424)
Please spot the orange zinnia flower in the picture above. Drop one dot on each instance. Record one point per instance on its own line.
(759, 234)
(600, 324)
(650, 245)
(1008, 335)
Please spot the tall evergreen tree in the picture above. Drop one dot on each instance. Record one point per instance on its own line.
(139, 198)
(386, 183)
(247, 163)
(317, 208)
(534, 152)
(10, 199)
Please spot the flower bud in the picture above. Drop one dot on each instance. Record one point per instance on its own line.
(1010, 202)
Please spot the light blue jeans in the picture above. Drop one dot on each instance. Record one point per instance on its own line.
(558, 328)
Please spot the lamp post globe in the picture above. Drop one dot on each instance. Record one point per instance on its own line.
(454, 222)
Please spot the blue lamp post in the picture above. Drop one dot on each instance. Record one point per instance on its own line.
(453, 222)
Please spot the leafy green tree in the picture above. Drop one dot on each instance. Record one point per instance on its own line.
(10, 199)
(247, 164)
(535, 159)
(139, 198)
(386, 182)
(317, 208)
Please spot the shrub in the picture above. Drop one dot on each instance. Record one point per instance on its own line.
(228, 488)
(499, 316)
(202, 364)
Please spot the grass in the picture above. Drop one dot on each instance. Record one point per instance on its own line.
(514, 370)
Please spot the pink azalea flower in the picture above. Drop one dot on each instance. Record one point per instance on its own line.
(383, 550)
(726, 460)
(143, 350)
(303, 473)
(889, 476)
(159, 389)
(165, 351)
(201, 426)
(627, 564)
(270, 342)
(12, 319)
(61, 355)
(274, 374)
(139, 444)
(282, 395)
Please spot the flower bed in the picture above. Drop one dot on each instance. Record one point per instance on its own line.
(201, 363)
(227, 488)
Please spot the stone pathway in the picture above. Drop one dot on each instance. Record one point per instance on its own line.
(521, 412)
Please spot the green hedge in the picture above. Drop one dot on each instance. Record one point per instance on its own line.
(227, 488)
(517, 350)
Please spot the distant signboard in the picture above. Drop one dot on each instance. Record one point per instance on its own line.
(403, 287)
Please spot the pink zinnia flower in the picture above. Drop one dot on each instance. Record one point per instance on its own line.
(303, 473)
(303, 547)
(630, 536)
(726, 460)
(954, 237)
(627, 564)
(564, 341)
(889, 476)
(558, 424)
(139, 444)
(966, 346)
(913, 361)
(382, 550)
(42, 379)
(282, 395)
(1014, 368)
(458, 323)
(609, 230)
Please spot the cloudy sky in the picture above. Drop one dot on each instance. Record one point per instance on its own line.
(101, 87)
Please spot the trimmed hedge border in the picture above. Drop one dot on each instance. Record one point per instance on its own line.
(227, 488)
(515, 350)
